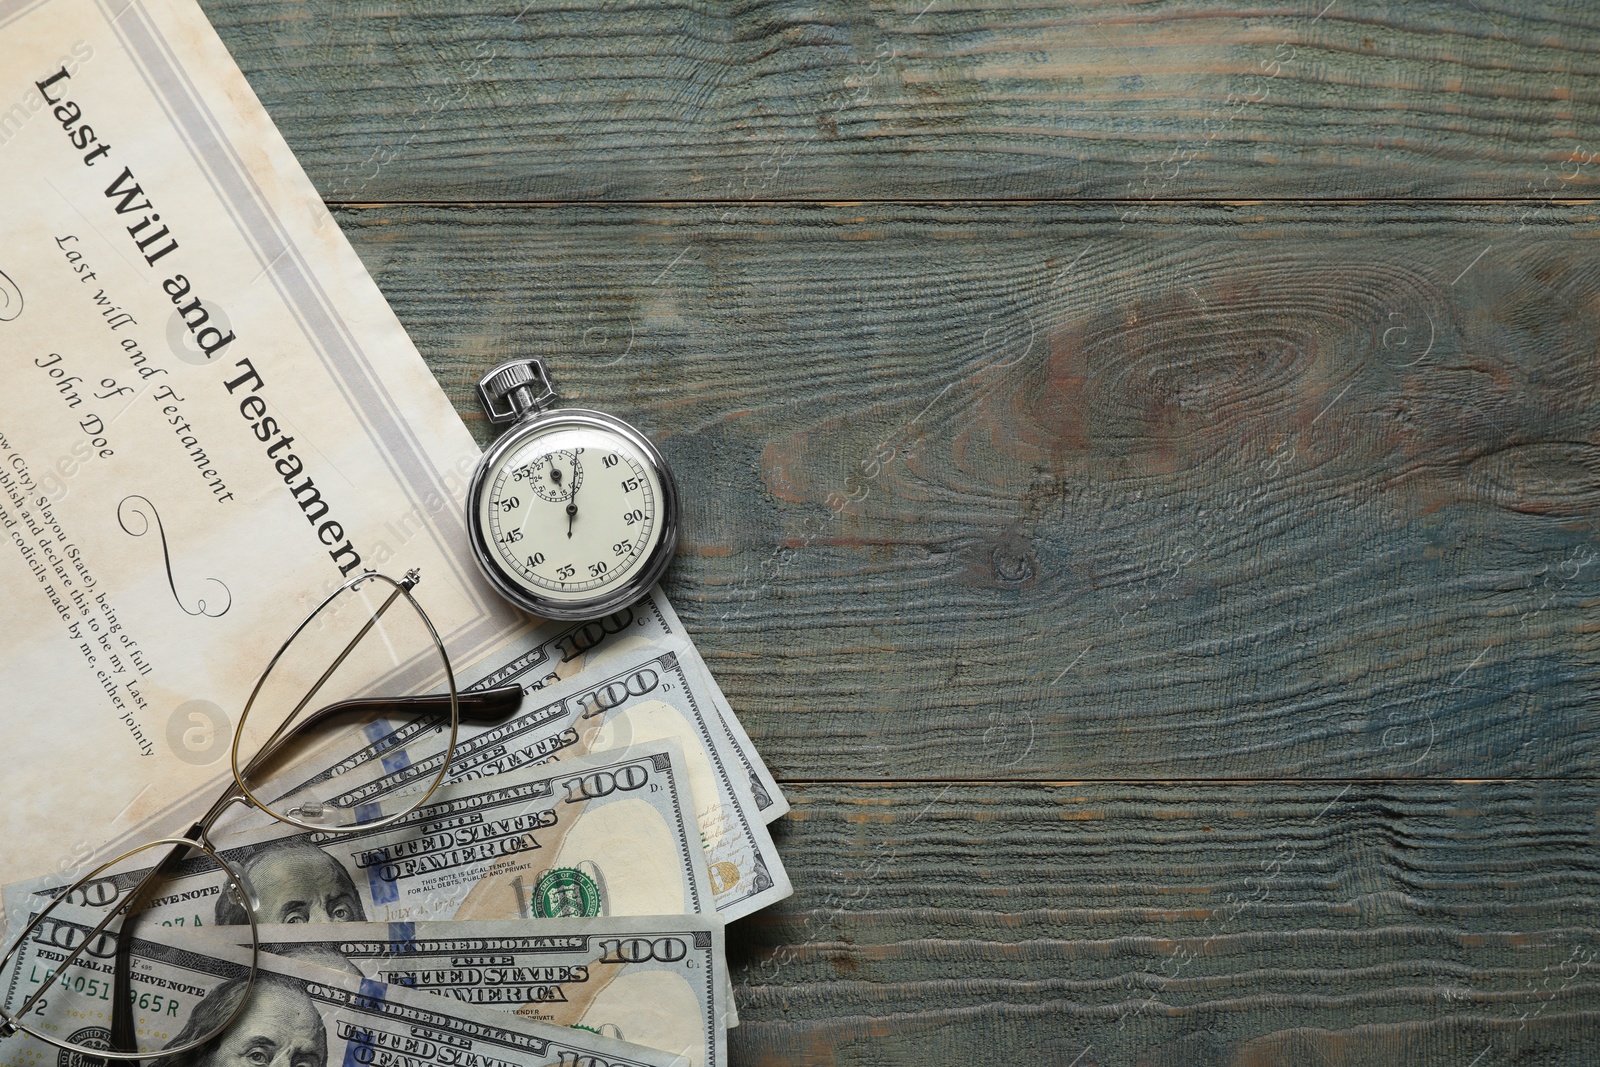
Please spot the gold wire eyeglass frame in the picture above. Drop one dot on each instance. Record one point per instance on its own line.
(485, 706)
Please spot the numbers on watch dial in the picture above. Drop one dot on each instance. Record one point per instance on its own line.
(571, 512)
(555, 476)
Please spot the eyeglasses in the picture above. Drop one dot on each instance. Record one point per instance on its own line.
(367, 640)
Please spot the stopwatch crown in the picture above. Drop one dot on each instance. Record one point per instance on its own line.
(516, 389)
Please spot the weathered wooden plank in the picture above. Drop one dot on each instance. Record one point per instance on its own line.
(1238, 491)
(663, 100)
(1098, 923)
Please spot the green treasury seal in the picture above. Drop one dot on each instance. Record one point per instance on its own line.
(565, 893)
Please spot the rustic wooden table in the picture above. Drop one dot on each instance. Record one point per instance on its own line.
(1142, 463)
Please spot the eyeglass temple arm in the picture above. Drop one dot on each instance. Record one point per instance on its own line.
(122, 999)
(122, 1031)
(6, 1020)
(401, 589)
(481, 708)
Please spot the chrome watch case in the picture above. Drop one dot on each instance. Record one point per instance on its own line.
(519, 392)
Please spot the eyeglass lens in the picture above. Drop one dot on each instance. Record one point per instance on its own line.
(333, 711)
(60, 984)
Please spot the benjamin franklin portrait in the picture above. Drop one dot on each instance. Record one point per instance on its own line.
(279, 1027)
(294, 883)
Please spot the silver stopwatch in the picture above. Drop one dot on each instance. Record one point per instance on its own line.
(572, 514)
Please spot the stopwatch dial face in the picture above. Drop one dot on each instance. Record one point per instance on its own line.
(571, 511)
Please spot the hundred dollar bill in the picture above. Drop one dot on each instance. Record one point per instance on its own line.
(557, 652)
(550, 654)
(622, 701)
(299, 1012)
(612, 834)
(652, 980)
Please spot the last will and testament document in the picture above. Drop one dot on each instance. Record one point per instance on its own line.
(209, 418)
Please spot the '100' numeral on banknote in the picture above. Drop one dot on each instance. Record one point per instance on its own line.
(622, 701)
(653, 980)
(314, 1015)
(611, 834)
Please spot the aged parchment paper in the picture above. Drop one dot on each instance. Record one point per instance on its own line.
(209, 417)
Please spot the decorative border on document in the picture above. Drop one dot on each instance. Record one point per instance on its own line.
(319, 320)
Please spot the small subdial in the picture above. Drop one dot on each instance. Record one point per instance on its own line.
(554, 476)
